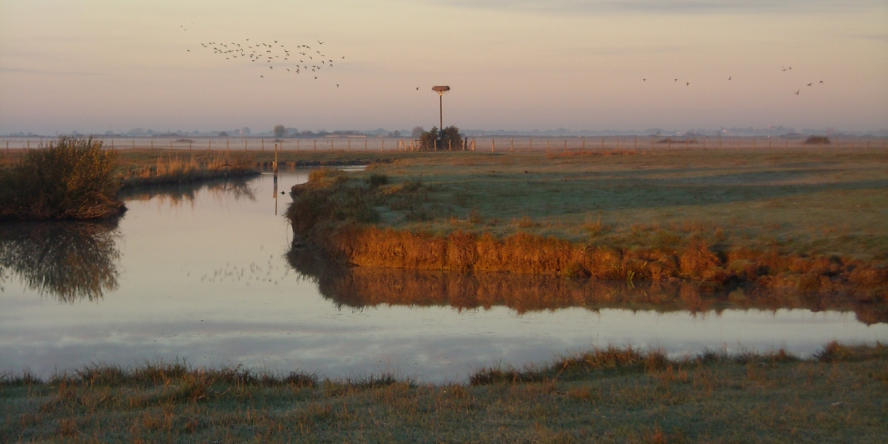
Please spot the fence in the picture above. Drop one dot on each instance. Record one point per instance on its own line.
(495, 144)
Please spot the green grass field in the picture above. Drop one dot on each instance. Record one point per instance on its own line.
(611, 395)
(808, 201)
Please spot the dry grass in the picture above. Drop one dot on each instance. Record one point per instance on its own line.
(609, 395)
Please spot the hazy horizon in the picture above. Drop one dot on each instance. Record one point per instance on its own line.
(97, 65)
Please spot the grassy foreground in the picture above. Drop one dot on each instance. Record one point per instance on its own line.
(609, 395)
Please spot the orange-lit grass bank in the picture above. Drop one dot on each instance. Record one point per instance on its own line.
(806, 221)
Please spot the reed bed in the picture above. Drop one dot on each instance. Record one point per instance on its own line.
(616, 394)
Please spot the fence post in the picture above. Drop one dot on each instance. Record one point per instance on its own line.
(565, 144)
(636, 143)
(382, 145)
(492, 145)
(315, 143)
(152, 144)
(263, 144)
(365, 144)
(331, 144)
(349, 147)
(512, 145)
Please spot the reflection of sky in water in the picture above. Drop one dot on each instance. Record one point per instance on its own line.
(207, 281)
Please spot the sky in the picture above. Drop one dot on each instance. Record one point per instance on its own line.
(109, 65)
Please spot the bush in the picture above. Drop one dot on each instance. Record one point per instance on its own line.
(377, 180)
(817, 140)
(449, 138)
(71, 179)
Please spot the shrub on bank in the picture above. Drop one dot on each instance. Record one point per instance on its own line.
(817, 140)
(73, 178)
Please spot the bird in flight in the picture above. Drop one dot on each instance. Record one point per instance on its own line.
(689, 84)
(729, 77)
(417, 88)
(320, 42)
(675, 80)
(797, 92)
(337, 85)
(644, 80)
(810, 84)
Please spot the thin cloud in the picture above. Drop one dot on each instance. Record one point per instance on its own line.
(663, 6)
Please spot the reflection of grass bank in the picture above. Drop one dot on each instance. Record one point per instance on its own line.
(361, 287)
(68, 260)
(811, 220)
(611, 395)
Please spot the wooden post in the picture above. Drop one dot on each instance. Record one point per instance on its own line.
(263, 144)
(315, 143)
(275, 165)
(382, 145)
(112, 144)
(209, 145)
(227, 144)
(297, 145)
(565, 144)
(365, 144)
(512, 145)
(531, 143)
(28, 143)
(636, 143)
(152, 144)
(7, 147)
(134, 143)
(331, 144)
(349, 147)
(492, 145)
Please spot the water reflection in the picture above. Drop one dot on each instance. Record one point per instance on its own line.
(175, 195)
(360, 287)
(66, 260)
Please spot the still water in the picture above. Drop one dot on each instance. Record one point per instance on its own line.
(206, 275)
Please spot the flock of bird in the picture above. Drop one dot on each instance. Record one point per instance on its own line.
(294, 60)
(783, 69)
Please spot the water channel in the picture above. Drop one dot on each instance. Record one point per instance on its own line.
(206, 275)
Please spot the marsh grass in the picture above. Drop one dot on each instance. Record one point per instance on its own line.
(170, 169)
(608, 395)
